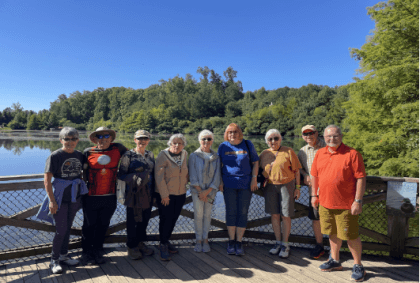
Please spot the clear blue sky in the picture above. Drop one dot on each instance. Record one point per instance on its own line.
(60, 46)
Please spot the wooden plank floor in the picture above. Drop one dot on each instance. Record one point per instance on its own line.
(187, 266)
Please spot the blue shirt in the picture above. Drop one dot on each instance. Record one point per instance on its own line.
(236, 167)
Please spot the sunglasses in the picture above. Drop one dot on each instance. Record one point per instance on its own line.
(308, 134)
(273, 139)
(142, 138)
(103, 136)
(70, 139)
(206, 139)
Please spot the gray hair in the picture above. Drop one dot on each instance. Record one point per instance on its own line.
(204, 133)
(68, 132)
(270, 132)
(333, 127)
(177, 136)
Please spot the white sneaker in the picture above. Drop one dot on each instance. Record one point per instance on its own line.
(66, 259)
(275, 250)
(284, 252)
(55, 267)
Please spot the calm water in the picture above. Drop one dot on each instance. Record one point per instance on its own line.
(26, 153)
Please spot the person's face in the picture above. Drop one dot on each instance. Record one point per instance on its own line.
(233, 135)
(205, 143)
(103, 140)
(177, 146)
(142, 142)
(332, 137)
(69, 143)
(274, 141)
(310, 137)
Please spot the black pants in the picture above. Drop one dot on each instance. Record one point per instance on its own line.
(168, 215)
(136, 231)
(97, 213)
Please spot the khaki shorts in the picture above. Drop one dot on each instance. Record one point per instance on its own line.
(339, 222)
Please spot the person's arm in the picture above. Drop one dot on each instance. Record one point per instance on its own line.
(123, 168)
(306, 176)
(356, 207)
(254, 186)
(160, 179)
(314, 196)
(297, 190)
(192, 171)
(53, 206)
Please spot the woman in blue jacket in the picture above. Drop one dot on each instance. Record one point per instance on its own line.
(204, 170)
(239, 174)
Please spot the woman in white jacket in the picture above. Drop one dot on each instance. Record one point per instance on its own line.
(204, 171)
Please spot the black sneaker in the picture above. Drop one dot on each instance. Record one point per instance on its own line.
(99, 257)
(239, 249)
(164, 253)
(317, 252)
(358, 273)
(331, 265)
(87, 259)
(172, 249)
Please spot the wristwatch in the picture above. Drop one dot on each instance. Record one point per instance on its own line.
(358, 201)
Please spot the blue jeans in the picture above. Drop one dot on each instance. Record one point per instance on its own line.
(202, 217)
(237, 203)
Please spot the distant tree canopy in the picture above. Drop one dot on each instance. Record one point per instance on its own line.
(383, 110)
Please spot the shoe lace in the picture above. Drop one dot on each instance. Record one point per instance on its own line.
(357, 268)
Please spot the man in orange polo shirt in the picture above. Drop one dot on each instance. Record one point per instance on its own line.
(339, 172)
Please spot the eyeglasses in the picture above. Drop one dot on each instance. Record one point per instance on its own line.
(103, 136)
(70, 139)
(206, 139)
(142, 138)
(332, 137)
(232, 132)
(177, 144)
(308, 134)
(273, 139)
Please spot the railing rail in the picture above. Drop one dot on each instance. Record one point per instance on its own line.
(24, 236)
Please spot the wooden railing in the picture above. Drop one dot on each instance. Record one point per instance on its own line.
(395, 241)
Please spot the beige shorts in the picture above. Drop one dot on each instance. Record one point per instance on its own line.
(339, 222)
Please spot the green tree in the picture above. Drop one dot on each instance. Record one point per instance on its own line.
(33, 122)
(383, 109)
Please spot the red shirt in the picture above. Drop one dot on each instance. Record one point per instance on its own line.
(337, 174)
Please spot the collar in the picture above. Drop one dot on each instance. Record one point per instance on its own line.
(317, 144)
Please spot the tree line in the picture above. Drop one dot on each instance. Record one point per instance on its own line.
(379, 112)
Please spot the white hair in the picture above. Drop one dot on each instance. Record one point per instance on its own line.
(204, 133)
(333, 127)
(270, 132)
(177, 136)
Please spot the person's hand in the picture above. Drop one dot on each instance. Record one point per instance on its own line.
(53, 207)
(297, 194)
(315, 202)
(307, 180)
(221, 188)
(356, 208)
(254, 185)
(165, 201)
(203, 195)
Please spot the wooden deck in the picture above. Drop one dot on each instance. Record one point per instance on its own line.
(256, 266)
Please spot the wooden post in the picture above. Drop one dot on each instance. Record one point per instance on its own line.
(398, 232)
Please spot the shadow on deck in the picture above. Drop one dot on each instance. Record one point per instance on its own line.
(256, 266)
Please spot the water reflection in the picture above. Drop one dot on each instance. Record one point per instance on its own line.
(45, 140)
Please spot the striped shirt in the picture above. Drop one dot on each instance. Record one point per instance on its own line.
(306, 156)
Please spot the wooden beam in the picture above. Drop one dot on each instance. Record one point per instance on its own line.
(21, 177)
(213, 222)
(20, 186)
(25, 213)
(259, 222)
(374, 198)
(395, 179)
(375, 235)
(412, 242)
(412, 251)
(116, 227)
(36, 225)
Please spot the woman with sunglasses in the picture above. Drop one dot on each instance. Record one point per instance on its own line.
(171, 175)
(239, 161)
(204, 171)
(99, 205)
(280, 166)
(63, 195)
(137, 170)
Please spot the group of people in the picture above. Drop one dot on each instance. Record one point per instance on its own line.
(334, 173)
